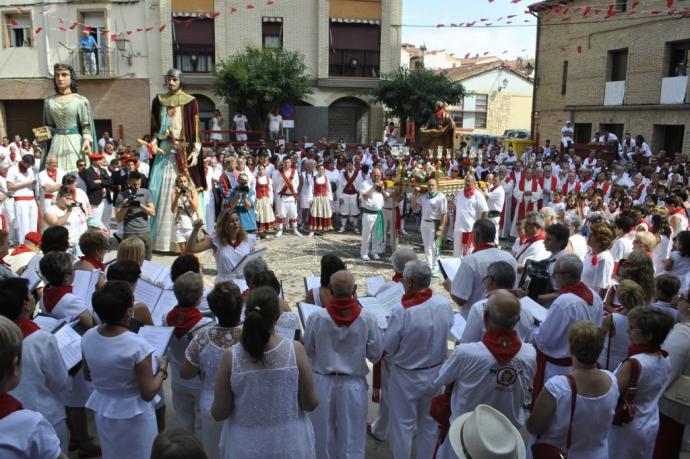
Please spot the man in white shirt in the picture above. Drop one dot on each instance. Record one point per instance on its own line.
(416, 344)
(50, 180)
(495, 197)
(338, 340)
(285, 185)
(434, 217)
(21, 181)
(240, 124)
(105, 139)
(373, 193)
(575, 302)
(496, 371)
(468, 286)
(347, 194)
(567, 133)
(275, 125)
(470, 206)
(533, 247)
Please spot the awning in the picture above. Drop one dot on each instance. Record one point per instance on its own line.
(356, 21)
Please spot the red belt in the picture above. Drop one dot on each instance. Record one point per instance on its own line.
(48, 196)
(24, 198)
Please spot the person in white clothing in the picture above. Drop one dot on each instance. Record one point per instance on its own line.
(470, 206)
(677, 216)
(68, 213)
(23, 433)
(286, 191)
(21, 180)
(306, 190)
(349, 184)
(416, 344)
(275, 125)
(495, 196)
(240, 124)
(50, 180)
(597, 272)
(496, 371)
(338, 340)
(373, 193)
(576, 302)
(434, 217)
(468, 286)
(567, 133)
(533, 248)
(527, 193)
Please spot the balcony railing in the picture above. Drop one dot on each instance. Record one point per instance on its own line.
(101, 63)
(191, 60)
(354, 63)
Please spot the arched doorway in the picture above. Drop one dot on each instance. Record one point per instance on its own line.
(348, 118)
(206, 109)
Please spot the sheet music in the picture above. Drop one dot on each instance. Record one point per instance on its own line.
(537, 310)
(391, 296)
(84, 284)
(374, 284)
(450, 267)
(310, 283)
(47, 323)
(458, 327)
(247, 257)
(305, 310)
(376, 307)
(147, 293)
(159, 339)
(166, 303)
(155, 272)
(32, 272)
(69, 343)
(203, 306)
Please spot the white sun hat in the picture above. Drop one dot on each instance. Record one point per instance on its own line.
(485, 433)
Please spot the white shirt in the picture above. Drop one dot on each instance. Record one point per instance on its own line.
(599, 276)
(69, 307)
(534, 251)
(143, 168)
(44, 179)
(373, 202)
(621, 248)
(76, 222)
(26, 434)
(579, 245)
(496, 199)
(433, 208)
(15, 176)
(335, 349)
(240, 124)
(468, 211)
(474, 328)
(274, 122)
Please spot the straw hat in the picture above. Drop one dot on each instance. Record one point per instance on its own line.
(485, 433)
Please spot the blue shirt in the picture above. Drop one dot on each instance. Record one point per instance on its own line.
(247, 216)
(87, 43)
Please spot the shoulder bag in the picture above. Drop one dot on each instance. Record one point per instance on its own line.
(625, 408)
(548, 451)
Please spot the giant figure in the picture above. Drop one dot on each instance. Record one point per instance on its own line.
(68, 116)
(176, 144)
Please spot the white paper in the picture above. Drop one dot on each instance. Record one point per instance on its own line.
(155, 272)
(391, 296)
(147, 293)
(47, 323)
(374, 284)
(450, 267)
(256, 253)
(165, 304)
(537, 310)
(458, 327)
(203, 306)
(84, 284)
(305, 310)
(377, 308)
(159, 339)
(311, 283)
(32, 272)
(614, 92)
(69, 343)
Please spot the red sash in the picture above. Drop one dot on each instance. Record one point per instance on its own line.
(529, 241)
(638, 193)
(538, 383)
(524, 208)
(554, 183)
(288, 189)
(349, 185)
(567, 184)
(604, 188)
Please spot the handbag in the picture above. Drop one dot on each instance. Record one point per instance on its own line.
(679, 390)
(548, 451)
(625, 408)
(440, 407)
(535, 278)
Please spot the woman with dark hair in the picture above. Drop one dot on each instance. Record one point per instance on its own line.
(330, 264)
(662, 230)
(69, 117)
(55, 239)
(288, 320)
(638, 267)
(263, 387)
(120, 364)
(129, 271)
(623, 244)
(678, 262)
(178, 444)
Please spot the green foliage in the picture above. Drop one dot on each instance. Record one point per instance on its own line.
(415, 94)
(260, 79)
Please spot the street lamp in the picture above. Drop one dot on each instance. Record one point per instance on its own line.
(122, 45)
(503, 84)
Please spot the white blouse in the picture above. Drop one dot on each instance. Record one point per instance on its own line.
(228, 257)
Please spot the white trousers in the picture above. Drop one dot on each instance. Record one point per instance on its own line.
(379, 427)
(368, 222)
(286, 209)
(340, 420)
(107, 214)
(186, 405)
(428, 230)
(497, 223)
(410, 400)
(7, 208)
(26, 216)
(349, 206)
(388, 222)
(210, 435)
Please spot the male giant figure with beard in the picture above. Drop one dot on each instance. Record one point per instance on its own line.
(176, 144)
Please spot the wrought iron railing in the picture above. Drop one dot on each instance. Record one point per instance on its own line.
(191, 60)
(101, 62)
(354, 63)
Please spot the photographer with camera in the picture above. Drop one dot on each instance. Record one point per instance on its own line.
(67, 212)
(242, 200)
(134, 207)
(185, 203)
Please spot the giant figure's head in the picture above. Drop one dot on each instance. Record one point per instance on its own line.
(64, 77)
(173, 80)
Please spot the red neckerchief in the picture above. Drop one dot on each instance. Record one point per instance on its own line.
(397, 277)
(329, 168)
(95, 262)
(22, 168)
(22, 248)
(581, 290)
(337, 306)
(53, 295)
(531, 240)
(9, 405)
(503, 344)
(483, 246)
(469, 192)
(645, 349)
(416, 297)
(678, 211)
(491, 190)
(595, 260)
(235, 244)
(183, 319)
(27, 326)
(52, 174)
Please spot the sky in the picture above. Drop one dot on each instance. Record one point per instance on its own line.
(477, 39)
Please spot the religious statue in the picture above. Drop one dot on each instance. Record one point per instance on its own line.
(439, 131)
(176, 146)
(68, 118)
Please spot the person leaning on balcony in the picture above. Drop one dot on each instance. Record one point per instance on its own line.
(88, 47)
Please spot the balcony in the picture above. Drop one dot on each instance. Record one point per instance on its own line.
(614, 92)
(355, 63)
(101, 64)
(674, 90)
(194, 60)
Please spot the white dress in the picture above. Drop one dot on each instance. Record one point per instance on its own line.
(126, 424)
(591, 422)
(267, 421)
(215, 126)
(227, 257)
(636, 440)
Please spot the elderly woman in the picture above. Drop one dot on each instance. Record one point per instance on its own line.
(597, 270)
(678, 263)
(648, 328)
(250, 270)
(132, 249)
(93, 245)
(645, 242)
(596, 398)
(629, 295)
(577, 244)
(320, 296)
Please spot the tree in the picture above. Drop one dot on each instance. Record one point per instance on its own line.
(415, 94)
(259, 80)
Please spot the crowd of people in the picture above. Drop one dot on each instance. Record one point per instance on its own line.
(603, 247)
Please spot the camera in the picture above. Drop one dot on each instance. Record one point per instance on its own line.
(243, 187)
(74, 204)
(184, 189)
(132, 202)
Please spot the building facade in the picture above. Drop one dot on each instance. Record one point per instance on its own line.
(621, 69)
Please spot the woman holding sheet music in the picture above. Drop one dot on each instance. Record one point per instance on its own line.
(230, 244)
(120, 364)
(330, 264)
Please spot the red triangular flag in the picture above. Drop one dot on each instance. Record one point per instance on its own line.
(38, 29)
(250, 6)
(161, 28)
(669, 4)
(216, 14)
(232, 10)
(13, 22)
(148, 29)
(579, 50)
(74, 24)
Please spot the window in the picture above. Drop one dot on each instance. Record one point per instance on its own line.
(17, 30)
(617, 65)
(621, 6)
(355, 50)
(678, 53)
(272, 32)
(98, 61)
(481, 105)
(193, 44)
(472, 113)
(583, 132)
(564, 81)
(457, 118)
